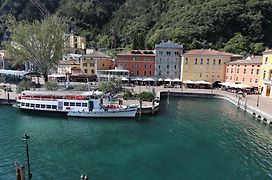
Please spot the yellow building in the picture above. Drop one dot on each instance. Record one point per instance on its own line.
(205, 64)
(94, 61)
(77, 42)
(266, 75)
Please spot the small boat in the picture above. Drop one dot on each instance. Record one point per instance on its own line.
(111, 111)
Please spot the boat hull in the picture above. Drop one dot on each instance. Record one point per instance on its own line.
(130, 113)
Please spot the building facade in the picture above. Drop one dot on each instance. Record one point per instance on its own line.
(266, 74)
(244, 71)
(168, 60)
(77, 42)
(204, 64)
(140, 63)
(66, 67)
(94, 61)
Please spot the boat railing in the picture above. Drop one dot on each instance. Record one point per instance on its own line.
(53, 98)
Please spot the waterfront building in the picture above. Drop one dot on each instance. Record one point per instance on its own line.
(66, 67)
(140, 63)
(266, 74)
(205, 64)
(168, 60)
(244, 71)
(94, 61)
(112, 73)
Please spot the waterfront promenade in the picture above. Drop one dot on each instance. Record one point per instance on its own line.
(264, 104)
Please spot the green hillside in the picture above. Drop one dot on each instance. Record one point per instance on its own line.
(239, 26)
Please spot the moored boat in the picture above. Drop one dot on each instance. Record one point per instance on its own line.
(88, 104)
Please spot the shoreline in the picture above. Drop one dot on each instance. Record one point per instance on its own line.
(153, 109)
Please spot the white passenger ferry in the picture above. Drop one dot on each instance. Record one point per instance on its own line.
(74, 104)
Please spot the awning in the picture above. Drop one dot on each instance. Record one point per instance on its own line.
(160, 79)
(149, 79)
(188, 82)
(136, 79)
(243, 86)
(203, 82)
(124, 79)
(176, 80)
(167, 80)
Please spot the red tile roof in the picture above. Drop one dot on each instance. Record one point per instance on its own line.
(248, 60)
(138, 53)
(208, 52)
(68, 63)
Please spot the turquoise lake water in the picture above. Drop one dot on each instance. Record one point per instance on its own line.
(190, 138)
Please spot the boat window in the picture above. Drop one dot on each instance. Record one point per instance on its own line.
(66, 104)
(54, 107)
(22, 104)
(27, 104)
(42, 106)
(32, 105)
(38, 105)
(84, 104)
(48, 106)
(78, 104)
(72, 104)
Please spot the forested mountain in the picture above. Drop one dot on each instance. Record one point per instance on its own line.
(239, 26)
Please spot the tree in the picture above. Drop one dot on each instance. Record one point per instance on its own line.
(238, 44)
(40, 43)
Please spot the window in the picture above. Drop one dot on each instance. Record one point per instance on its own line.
(145, 66)
(238, 71)
(85, 71)
(200, 75)
(208, 61)
(85, 64)
(250, 80)
(243, 79)
(256, 80)
(231, 70)
(159, 66)
(37, 105)
(78, 104)
(251, 71)
(264, 73)
(257, 71)
(214, 61)
(236, 78)
(66, 104)
(92, 71)
(150, 73)
(32, 105)
(84, 104)
(219, 62)
(27, 104)
(227, 70)
(150, 66)
(167, 66)
(137, 73)
(201, 61)
(230, 77)
(43, 106)
(144, 73)
(196, 61)
(175, 66)
(54, 107)
(22, 104)
(48, 106)
(186, 61)
(266, 59)
(72, 104)
(226, 77)
(244, 71)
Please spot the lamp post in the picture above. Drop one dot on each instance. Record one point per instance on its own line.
(25, 139)
(258, 99)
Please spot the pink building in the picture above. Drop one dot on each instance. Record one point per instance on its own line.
(244, 71)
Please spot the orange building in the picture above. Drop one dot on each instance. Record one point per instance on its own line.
(244, 71)
(140, 63)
